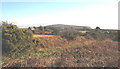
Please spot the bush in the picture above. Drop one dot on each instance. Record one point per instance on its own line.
(70, 34)
(117, 37)
(15, 40)
(102, 35)
(55, 30)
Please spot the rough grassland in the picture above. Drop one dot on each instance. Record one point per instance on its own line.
(59, 52)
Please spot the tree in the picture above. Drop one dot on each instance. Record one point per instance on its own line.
(97, 27)
(41, 28)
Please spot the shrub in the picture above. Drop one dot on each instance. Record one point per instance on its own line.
(102, 35)
(15, 40)
(55, 30)
(69, 34)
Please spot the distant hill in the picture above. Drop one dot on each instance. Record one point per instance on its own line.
(73, 27)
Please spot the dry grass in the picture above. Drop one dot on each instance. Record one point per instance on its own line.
(44, 36)
(83, 31)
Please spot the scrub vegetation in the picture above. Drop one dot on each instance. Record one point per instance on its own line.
(59, 46)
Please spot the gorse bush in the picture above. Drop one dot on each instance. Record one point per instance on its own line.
(70, 34)
(15, 41)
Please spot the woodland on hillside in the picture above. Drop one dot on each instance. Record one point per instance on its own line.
(49, 46)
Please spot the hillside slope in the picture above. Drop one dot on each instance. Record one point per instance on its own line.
(59, 52)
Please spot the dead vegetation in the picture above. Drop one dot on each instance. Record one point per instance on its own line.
(44, 36)
(81, 52)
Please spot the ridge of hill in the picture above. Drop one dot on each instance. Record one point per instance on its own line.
(73, 27)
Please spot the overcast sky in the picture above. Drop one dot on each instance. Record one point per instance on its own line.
(102, 13)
